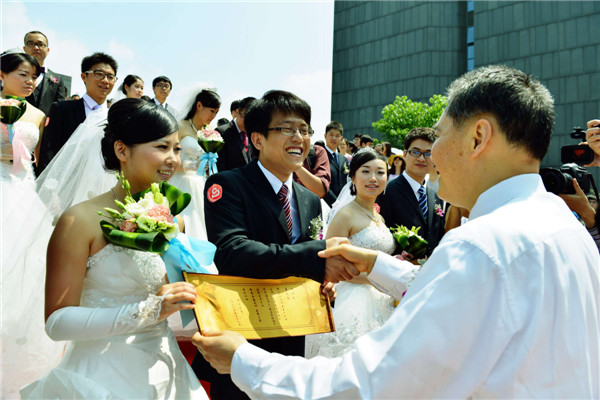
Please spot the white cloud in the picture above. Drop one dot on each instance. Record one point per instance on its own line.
(120, 52)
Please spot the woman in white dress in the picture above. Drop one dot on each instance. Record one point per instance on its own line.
(27, 352)
(112, 302)
(202, 111)
(359, 306)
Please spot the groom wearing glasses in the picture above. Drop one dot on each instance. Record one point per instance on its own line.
(408, 200)
(98, 73)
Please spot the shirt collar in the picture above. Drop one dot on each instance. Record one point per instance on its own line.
(413, 184)
(236, 125)
(91, 103)
(511, 189)
(275, 182)
(158, 103)
(329, 150)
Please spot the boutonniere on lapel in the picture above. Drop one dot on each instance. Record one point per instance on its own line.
(346, 170)
(437, 209)
(53, 79)
(316, 228)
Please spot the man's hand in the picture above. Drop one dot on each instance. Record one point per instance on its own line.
(338, 268)
(218, 348)
(361, 259)
(328, 289)
(592, 136)
(579, 203)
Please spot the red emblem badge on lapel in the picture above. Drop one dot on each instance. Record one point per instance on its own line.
(214, 193)
(376, 207)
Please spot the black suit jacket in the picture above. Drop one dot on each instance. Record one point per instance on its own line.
(248, 226)
(54, 87)
(338, 176)
(399, 206)
(232, 155)
(65, 117)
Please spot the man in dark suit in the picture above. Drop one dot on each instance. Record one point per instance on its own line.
(259, 218)
(162, 86)
(236, 151)
(334, 134)
(50, 86)
(406, 200)
(98, 73)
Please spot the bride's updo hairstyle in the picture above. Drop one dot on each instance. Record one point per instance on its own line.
(361, 157)
(134, 121)
(9, 62)
(209, 99)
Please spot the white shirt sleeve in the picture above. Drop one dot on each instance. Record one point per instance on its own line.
(425, 350)
(391, 275)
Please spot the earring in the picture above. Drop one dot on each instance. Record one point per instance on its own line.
(384, 189)
(353, 188)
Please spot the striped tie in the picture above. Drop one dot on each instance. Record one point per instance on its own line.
(423, 201)
(285, 202)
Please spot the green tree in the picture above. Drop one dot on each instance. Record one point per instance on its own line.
(404, 114)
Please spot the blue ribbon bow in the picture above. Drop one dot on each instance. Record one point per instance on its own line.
(211, 160)
(188, 254)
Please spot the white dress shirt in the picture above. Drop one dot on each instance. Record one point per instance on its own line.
(276, 185)
(506, 307)
(414, 185)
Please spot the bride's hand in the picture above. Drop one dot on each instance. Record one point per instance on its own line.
(174, 294)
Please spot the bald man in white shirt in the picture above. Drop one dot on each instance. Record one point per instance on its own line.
(507, 305)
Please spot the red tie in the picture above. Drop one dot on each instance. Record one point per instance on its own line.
(245, 141)
(285, 202)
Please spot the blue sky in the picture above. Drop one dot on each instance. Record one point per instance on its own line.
(240, 48)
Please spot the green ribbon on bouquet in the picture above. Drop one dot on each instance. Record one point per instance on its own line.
(155, 242)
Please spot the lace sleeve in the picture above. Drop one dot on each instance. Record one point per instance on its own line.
(87, 323)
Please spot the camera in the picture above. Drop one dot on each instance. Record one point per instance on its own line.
(573, 157)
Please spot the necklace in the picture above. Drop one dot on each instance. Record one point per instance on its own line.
(371, 216)
(114, 195)
(194, 126)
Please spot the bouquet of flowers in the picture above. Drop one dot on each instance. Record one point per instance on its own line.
(211, 142)
(409, 240)
(11, 109)
(146, 220)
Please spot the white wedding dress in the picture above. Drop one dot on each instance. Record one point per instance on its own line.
(27, 352)
(144, 364)
(359, 307)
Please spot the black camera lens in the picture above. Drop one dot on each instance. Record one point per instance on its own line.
(556, 181)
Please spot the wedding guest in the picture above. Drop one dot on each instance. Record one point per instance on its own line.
(50, 86)
(236, 151)
(334, 136)
(259, 218)
(379, 148)
(507, 305)
(397, 166)
(314, 174)
(234, 108)
(132, 87)
(408, 200)
(222, 121)
(356, 140)
(109, 301)
(27, 352)
(387, 149)
(352, 148)
(366, 141)
(343, 148)
(162, 86)
(99, 74)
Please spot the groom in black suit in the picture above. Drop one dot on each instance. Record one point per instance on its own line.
(407, 200)
(334, 134)
(50, 86)
(98, 73)
(259, 218)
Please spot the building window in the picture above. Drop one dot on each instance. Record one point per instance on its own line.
(470, 35)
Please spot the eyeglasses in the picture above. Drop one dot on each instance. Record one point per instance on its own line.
(32, 44)
(288, 131)
(101, 75)
(163, 86)
(417, 153)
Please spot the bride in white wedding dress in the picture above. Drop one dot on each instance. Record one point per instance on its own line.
(27, 352)
(359, 306)
(112, 302)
